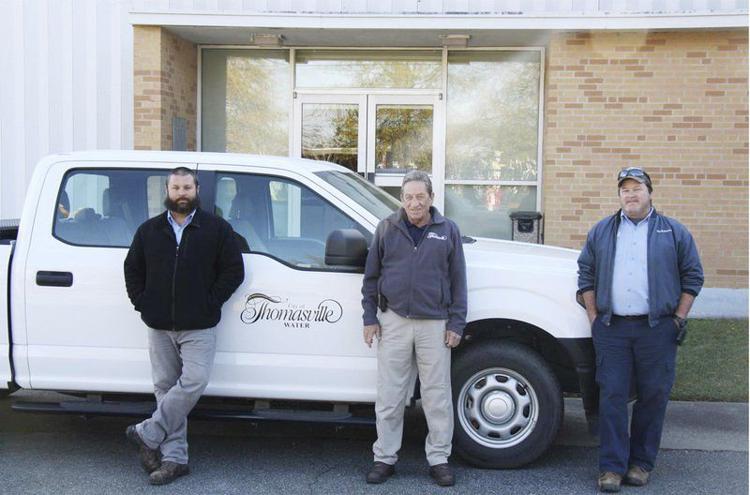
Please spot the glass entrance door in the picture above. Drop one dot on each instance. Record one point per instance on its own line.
(381, 136)
(331, 128)
(402, 135)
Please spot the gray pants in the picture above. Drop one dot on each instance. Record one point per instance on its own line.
(407, 343)
(181, 363)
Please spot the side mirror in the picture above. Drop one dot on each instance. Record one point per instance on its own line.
(346, 247)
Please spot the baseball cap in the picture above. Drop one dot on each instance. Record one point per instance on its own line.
(635, 173)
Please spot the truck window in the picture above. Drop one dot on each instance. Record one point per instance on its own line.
(105, 207)
(280, 217)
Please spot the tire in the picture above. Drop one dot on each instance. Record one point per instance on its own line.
(508, 405)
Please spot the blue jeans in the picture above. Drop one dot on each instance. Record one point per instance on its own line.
(631, 350)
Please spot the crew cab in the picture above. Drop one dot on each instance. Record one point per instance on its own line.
(290, 340)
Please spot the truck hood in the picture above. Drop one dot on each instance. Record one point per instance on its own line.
(492, 254)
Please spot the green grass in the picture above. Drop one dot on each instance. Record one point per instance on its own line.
(712, 364)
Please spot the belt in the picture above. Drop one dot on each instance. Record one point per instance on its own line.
(631, 317)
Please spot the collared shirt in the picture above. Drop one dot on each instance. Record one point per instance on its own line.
(630, 273)
(178, 229)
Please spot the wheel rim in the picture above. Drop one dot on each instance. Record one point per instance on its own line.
(497, 408)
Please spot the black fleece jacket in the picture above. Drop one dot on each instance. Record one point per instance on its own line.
(183, 287)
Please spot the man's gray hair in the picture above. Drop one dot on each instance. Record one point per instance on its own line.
(418, 175)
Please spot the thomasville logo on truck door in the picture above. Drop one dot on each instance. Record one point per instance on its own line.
(261, 307)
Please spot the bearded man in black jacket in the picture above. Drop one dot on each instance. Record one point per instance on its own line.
(181, 267)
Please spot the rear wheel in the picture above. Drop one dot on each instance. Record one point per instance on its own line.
(507, 403)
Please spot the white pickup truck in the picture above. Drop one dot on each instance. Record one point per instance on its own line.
(290, 339)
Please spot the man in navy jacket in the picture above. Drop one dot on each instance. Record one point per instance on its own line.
(639, 273)
(416, 275)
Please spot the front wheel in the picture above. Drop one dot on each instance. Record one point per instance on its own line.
(507, 403)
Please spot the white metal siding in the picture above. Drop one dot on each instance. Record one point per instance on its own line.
(440, 6)
(66, 84)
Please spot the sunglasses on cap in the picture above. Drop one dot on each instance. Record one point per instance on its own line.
(632, 172)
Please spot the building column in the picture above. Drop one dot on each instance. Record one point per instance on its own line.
(165, 90)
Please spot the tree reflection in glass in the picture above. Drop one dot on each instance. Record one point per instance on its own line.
(493, 112)
(403, 137)
(329, 132)
(368, 69)
(257, 116)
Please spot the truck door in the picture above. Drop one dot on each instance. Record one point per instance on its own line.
(82, 331)
(293, 329)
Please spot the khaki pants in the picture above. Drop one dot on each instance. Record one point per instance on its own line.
(404, 344)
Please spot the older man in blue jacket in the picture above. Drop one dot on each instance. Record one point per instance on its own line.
(639, 273)
(416, 275)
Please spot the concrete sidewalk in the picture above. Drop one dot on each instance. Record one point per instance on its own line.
(721, 303)
(709, 426)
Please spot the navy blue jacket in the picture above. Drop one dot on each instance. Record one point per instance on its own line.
(427, 281)
(674, 265)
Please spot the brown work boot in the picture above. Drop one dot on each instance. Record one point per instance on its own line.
(150, 458)
(636, 476)
(380, 472)
(609, 482)
(442, 474)
(168, 472)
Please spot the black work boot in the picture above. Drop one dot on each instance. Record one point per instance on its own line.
(168, 472)
(442, 474)
(380, 472)
(150, 458)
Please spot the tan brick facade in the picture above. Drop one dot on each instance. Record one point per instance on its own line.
(675, 103)
(164, 87)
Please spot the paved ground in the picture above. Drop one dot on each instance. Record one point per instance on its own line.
(705, 452)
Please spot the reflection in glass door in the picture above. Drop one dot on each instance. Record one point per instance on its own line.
(403, 138)
(329, 132)
(381, 136)
(402, 135)
(331, 128)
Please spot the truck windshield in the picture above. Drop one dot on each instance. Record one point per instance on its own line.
(371, 198)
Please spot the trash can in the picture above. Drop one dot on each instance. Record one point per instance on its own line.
(526, 226)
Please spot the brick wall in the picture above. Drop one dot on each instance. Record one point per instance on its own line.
(675, 103)
(164, 86)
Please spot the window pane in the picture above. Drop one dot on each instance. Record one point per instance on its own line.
(105, 207)
(245, 101)
(155, 186)
(226, 191)
(492, 115)
(282, 218)
(403, 137)
(330, 132)
(285, 206)
(368, 69)
(483, 211)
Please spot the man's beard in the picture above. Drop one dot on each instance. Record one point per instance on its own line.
(182, 208)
